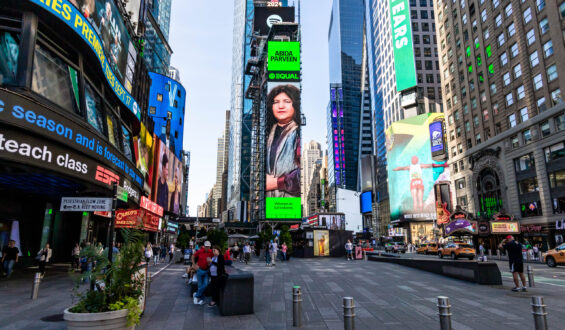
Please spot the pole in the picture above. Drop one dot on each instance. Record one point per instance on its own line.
(540, 315)
(348, 313)
(296, 306)
(531, 282)
(110, 239)
(444, 312)
(35, 288)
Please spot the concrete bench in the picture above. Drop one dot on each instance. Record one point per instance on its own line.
(472, 271)
(236, 297)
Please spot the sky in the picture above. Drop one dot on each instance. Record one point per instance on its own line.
(201, 39)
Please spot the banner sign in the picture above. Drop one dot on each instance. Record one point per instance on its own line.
(127, 219)
(403, 48)
(461, 225)
(111, 51)
(506, 227)
(86, 204)
(283, 60)
(38, 119)
(151, 206)
(436, 137)
(105, 214)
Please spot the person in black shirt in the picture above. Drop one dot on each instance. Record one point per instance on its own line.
(515, 258)
(10, 256)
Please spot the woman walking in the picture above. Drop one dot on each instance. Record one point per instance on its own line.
(43, 257)
(217, 272)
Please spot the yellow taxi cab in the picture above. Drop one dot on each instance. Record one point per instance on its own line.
(422, 249)
(432, 248)
(555, 256)
(457, 250)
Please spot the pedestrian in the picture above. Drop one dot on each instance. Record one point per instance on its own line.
(515, 259)
(203, 258)
(349, 250)
(227, 258)
(536, 252)
(156, 253)
(171, 252)
(163, 252)
(75, 255)
(283, 251)
(274, 252)
(43, 257)
(217, 275)
(148, 252)
(235, 251)
(268, 254)
(481, 252)
(10, 256)
(246, 252)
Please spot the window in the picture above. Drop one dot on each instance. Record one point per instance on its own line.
(544, 128)
(557, 179)
(456, 115)
(462, 200)
(159, 97)
(506, 78)
(508, 10)
(127, 144)
(530, 209)
(531, 36)
(527, 135)
(534, 59)
(524, 163)
(483, 15)
(501, 39)
(478, 138)
(552, 73)
(473, 103)
(464, 18)
(509, 99)
(503, 59)
(451, 136)
(467, 126)
(554, 152)
(460, 183)
(461, 165)
(493, 89)
(556, 97)
(424, 14)
(426, 39)
(511, 30)
(458, 130)
(94, 112)
(460, 148)
(543, 26)
(498, 20)
(486, 34)
(512, 120)
(514, 50)
(469, 144)
(465, 108)
(548, 49)
(495, 3)
(10, 51)
(515, 141)
(529, 185)
(415, 26)
(541, 104)
(455, 170)
(453, 151)
(450, 119)
(517, 71)
(414, 14)
(53, 79)
(527, 15)
(560, 122)
(426, 27)
(540, 4)
(475, 120)
(538, 82)
(520, 94)
(562, 9)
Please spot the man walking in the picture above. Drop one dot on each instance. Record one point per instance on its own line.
(516, 261)
(274, 252)
(247, 252)
(10, 257)
(349, 249)
(203, 257)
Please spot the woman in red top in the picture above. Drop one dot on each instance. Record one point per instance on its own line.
(227, 258)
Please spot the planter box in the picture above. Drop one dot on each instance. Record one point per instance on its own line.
(105, 320)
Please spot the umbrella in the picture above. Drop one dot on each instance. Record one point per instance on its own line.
(237, 236)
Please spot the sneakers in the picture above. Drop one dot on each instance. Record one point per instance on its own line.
(524, 289)
(201, 302)
(185, 275)
(195, 299)
(516, 289)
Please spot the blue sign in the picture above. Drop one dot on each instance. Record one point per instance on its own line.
(66, 12)
(436, 136)
(366, 202)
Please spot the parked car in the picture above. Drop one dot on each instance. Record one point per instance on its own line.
(457, 250)
(398, 247)
(555, 256)
(422, 249)
(432, 248)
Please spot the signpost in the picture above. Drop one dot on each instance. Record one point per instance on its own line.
(85, 204)
(122, 194)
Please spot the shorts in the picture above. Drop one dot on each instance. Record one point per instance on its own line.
(416, 184)
(516, 267)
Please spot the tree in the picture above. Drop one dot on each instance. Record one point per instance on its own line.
(218, 237)
(286, 238)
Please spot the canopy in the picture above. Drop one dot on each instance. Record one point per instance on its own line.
(238, 236)
(254, 237)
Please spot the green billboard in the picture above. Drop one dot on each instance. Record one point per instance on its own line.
(283, 56)
(402, 44)
(283, 208)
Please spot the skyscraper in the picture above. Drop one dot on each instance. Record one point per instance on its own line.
(345, 119)
(312, 153)
(156, 49)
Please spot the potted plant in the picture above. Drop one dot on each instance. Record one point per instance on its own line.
(113, 298)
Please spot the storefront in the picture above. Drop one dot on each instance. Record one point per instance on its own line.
(461, 228)
(314, 242)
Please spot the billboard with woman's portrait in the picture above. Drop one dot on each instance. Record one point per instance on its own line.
(144, 148)
(282, 151)
(169, 179)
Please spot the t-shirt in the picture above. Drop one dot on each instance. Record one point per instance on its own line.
(348, 246)
(246, 249)
(274, 247)
(214, 268)
(284, 247)
(514, 251)
(201, 256)
(11, 253)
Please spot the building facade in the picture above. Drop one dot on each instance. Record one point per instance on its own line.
(310, 155)
(502, 89)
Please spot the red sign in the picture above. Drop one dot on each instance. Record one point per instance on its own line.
(150, 221)
(106, 176)
(294, 226)
(151, 206)
(530, 228)
(107, 214)
(127, 219)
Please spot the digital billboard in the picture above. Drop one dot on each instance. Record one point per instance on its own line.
(282, 151)
(166, 106)
(265, 17)
(144, 148)
(403, 48)
(321, 243)
(366, 202)
(283, 60)
(169, 179)
(411, 171)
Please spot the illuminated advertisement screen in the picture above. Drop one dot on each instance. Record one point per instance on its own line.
(321, 243)
(282, 151)
(144, 148)
(402, 44)
(505, 227)
(436, 136)
(169, 179)
(265, 17)
(411, 171)
(366, 202)
(166, 106)
(283, 60)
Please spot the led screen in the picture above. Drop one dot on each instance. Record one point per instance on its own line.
(283, 56)
(366, 202)
(402, 44)
(169, 180)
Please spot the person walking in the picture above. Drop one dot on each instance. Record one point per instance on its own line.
(274, 253)
(148, 252)
(349, 250)
(268, 254)
(515, 258)
(283, 251)
(10, 256)
(217, 272)
(481, 252)
(76, 257)
(203, 258)
(247, 252)
(43, 257)
(156, 253)
(171, 252)
(163, 252)
(227, 258)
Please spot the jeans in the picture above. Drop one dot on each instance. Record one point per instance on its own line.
(274, 257)
(283, 256)
(8, 266)
(268, 258)
(202, 276)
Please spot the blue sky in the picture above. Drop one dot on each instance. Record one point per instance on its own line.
(201, 38)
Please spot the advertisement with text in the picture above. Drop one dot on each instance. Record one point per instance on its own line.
(169, 180)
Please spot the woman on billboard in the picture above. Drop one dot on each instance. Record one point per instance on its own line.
(283, 142)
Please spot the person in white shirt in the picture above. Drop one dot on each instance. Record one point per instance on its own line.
(247, 252)
(274, 252)
(349, 250)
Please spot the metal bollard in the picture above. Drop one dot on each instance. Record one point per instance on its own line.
(489, 254)
(444, 312)
(540, 315)
(35, 288)
(296, 306)
(348, 313)
(498, 254)
(365, 255)
(531, 282)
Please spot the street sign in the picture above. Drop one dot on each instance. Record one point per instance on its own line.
(88, 204)
(122, 194)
